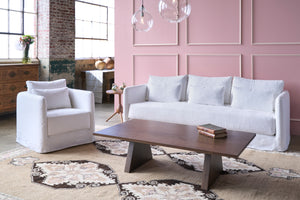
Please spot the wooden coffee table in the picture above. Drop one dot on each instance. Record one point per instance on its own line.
(143, 133)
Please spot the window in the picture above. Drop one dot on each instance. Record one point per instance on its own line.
(94, 28)
(18, 17)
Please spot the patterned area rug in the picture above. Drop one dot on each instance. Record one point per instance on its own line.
(101, 176)
(164, 189)
(72, 174)
(13, 153)
(191, 160)
(195, 161)
(119, 147)
(283, 173)
(8, 197)
(20, 161)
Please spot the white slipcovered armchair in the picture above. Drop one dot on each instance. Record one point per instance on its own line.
(51, 116)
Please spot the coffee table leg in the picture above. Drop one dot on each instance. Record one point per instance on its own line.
(212, 168)
(137, 155)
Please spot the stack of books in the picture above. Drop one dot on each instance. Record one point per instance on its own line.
(212, 131)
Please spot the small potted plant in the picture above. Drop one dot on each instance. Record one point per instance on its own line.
(116, 87)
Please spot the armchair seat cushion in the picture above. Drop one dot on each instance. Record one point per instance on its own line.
(67, 119)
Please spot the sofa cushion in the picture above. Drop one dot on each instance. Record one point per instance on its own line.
(55, 98)
(166, 89)
(194, 114)
(45, 84)
(67, 119)
(166, 94)
(255, 94)
(211, 82)
(206, 95)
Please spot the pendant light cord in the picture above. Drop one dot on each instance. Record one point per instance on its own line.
(142, 8)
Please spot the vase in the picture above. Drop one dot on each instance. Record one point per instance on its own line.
(26, 58)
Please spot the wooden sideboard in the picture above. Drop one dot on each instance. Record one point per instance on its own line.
(13, 79)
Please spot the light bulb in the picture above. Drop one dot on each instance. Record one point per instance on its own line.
(174, 11)
(142, 20)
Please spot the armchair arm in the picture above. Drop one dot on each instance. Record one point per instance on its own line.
(83, 99)
(282, 115)
(31, 118)
(133, 94)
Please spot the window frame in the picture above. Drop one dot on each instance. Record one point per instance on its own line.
(8, 33)
(106, 23)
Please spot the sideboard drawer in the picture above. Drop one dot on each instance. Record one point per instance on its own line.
(18, 74)
(13, 79)
(8, 102)
(12, 88)
(28, 74)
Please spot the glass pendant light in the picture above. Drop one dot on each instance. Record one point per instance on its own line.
(142, 19)
(174, 11)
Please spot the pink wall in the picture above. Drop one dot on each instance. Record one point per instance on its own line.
(257, 39)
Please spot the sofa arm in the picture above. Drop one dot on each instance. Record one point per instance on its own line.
(282, 115)
(31, 118)
(84, 100)
(133, 94)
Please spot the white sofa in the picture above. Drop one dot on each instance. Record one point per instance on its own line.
(258, 106)
(51, 116)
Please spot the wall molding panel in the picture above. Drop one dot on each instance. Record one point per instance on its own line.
(294, 119)
(289, 26)
(239, 66)
(176, 67)
(260, 55)
(238, 40)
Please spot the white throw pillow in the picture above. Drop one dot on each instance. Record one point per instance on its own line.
(55, 98)
(211, 82)
(166, 94)
(255, 94)
(206, 95)
(45, 84)
(167, 89)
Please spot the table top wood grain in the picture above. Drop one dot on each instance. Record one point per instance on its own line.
(178, 136)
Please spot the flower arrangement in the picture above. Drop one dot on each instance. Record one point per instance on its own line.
(115, 87)
(26, 41)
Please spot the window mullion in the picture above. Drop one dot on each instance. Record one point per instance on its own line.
(8, 29)
(107, 23)
(23, 17)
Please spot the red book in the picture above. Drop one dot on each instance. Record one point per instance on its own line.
(210, 128)
(221, 135)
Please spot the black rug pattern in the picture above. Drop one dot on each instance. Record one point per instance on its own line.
(163, 190)
(195, 161)
(72, 174)
(120, 148)
(283, 173)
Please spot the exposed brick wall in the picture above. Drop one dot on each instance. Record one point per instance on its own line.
(62, 29)
(56, 32)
